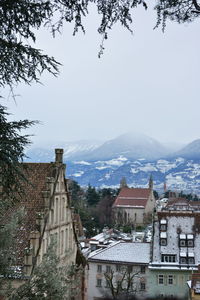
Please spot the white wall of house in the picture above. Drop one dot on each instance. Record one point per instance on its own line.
(97, 286)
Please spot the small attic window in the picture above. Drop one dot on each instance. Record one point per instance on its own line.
(183, 258)
(182, 240)
(190, 240)
(191, 258)
(163, 225)
(163, 242)
(163, 239)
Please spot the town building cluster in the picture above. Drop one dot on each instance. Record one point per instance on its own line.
(166, 267)
(161, 261)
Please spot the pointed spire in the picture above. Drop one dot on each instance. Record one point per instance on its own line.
(165, 186)
(151, 182)
(123, 183)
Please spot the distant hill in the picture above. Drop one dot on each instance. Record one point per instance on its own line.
(190, 151)
(131, 145)
(130, 155)
(72, 150)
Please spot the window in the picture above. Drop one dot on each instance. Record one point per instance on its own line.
(108, 269)
(99, 268)
(118, 268)
(66, 239)
(142, 286)
(191, 260)
(170, 258)
(52, 216)
(190, 243)
(170, 279)
(160, 279)
(163, 227)
(62, 242)
(182, 243)
(183, 260)
(62, 213)
(130, 269)
(163, 242)
(56, 210)
(142, 269)
(99, 282)
(107, 283)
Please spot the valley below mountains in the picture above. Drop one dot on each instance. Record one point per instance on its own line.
(132, 156)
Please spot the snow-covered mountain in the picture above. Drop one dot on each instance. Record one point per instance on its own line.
(190, 151)
(179, 173)
(72, 150)
(131, 145)
(132, 156)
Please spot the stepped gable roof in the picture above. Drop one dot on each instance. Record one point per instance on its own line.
(134, 197)
(122, 252)
(31, 203)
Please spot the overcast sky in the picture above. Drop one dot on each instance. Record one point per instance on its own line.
(146, 82)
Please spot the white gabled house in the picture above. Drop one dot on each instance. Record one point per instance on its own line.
(121, 263)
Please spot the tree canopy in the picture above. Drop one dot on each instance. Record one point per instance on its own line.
(19, 21)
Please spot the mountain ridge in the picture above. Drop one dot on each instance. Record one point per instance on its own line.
(124, 157)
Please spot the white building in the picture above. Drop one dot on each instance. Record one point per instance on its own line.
(121, 263)
(175, 252)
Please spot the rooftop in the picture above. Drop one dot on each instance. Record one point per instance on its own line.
(121, 252)
(135, 197)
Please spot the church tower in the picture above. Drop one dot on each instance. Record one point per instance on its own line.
(151, 182)
(123, 183)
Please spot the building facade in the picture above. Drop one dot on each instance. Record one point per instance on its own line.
(47, 218)
(120, 265)
(175, 252)
(134, 206)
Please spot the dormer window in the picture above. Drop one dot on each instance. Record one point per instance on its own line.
(191, 258)
(163, 238)
(190, 240)
(163, 225)
(183, 258)
(182, 240)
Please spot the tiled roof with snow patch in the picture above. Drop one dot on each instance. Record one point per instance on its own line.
(135, 197)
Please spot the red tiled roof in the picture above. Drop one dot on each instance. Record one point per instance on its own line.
(177, 201)
(132, 197)
(194, 203)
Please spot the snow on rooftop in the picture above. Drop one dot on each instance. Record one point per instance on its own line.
(124, 252)
(163, 221)
(163, 235)
(183, 254)
(182, 236)
(190, 236)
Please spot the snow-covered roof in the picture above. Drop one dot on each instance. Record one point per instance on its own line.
(163, 235)
(183, 254)
(190, 236)
(124, 253)
(133, 197)
(182, 236)
(190, 254)
(163, 221)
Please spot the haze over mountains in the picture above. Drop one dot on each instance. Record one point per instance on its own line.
(132, 155)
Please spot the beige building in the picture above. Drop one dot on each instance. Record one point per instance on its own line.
(46, 216)
(134, 206)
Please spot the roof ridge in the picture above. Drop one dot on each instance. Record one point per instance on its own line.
(102, 250)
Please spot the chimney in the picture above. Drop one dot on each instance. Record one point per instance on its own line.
(59, 155)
